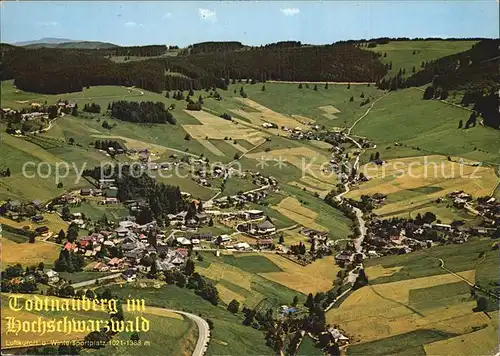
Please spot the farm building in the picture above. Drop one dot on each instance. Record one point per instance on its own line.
(255, 214)
(129, 275)
(53, 276)
(266, 227)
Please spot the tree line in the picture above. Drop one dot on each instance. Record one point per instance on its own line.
(53, 70)
(141, 112)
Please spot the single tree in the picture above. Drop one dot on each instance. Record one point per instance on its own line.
(233, 306)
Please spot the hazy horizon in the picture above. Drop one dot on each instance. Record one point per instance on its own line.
(252, 23)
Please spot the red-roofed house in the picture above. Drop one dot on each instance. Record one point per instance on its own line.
(182, 251)
(70, 246)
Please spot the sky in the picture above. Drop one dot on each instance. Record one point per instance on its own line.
(252, 23)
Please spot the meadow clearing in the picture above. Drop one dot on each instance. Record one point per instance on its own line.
(413, 183)
(263, 114)
(402, 56)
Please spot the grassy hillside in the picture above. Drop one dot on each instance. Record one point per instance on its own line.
(229, 336)
(288, 99)
(406, 118)
(400, 53)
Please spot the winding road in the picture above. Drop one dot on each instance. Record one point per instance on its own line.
(203, 331)
(358, 242)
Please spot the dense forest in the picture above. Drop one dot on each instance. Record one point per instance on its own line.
(207, 47)
(53, 71)
(141, 112)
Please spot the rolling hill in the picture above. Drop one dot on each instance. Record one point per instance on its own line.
(51, 42)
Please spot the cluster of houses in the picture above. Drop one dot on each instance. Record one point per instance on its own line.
(135, 244)
(261, 180)
(240, 199)
(460, 198)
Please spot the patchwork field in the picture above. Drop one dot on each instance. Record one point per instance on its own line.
(293, 209)
(264, 114)
(238, 276)
(481, 342)
(410, 306)
(384, 310)
(413, 183)
(307, 160)
(216, 128)
(330, 111)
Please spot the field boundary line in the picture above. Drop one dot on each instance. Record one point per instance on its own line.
(395, 301)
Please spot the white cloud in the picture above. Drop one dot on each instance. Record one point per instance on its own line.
(167, 15)
(207, 15)
(47, 23)
(290, 11)
(132, 24)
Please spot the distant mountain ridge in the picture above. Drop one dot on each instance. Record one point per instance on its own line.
(51, 42)
(48, 40)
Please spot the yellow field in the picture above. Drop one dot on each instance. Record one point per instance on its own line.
(265, 114)
(209, 146)
(315, 277)
(412, 182)
(481, 342)
(26, 253)
(52, 221)
(321, 144)
(304, 158)
(217, 128)
(377, 271)
(380, 311)
(221, 271)
(293, 209)
(227, 295)
(163, 312)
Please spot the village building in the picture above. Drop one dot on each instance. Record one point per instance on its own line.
(266, 227)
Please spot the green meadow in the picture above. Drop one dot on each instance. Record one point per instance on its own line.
(402, 56)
